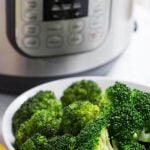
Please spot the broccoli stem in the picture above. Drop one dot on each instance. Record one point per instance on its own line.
(114, 145)
(144, 136)
(105, 140)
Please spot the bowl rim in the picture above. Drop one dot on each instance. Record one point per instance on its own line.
(35, 89)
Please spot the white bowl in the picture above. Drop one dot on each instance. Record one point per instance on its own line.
(58, 87)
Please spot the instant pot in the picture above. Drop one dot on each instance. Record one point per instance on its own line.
(43, 40)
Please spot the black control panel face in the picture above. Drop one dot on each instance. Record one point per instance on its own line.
(64, 9)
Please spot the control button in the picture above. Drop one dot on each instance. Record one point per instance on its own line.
(97, 21)
(30, 4)
(31, 16)
(97, 36)
(76, 26)
(55, 28)
(56, 8)
(77, 13)
(54, 41)
(77, 5)
(67, 6)
(76, 39)
(31, 42)
(31, 29)
(56, 15)
(99, 8)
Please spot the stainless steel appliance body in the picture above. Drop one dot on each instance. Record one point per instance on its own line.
(43, 39)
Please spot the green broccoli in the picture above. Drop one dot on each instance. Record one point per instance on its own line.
(44, 122)
(117, 119)
(40, 142)
(77, 115)
(94, 136)
(126, 123)
(142, 104)
(131, 145)
(118, 94)
(36, 142)
(42, 100)
(65, 142)
(84, 90)
(106, 104)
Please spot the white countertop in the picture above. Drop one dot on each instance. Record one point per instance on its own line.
(133, 65)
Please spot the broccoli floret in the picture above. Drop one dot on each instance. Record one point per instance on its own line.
(126, 123)
(42, 100)
(119, 94)
(40, 142)
(77, 115)
(84, 90)
(36, 142)
(106, 104)
(94, 136)
(45, 122)
(92, 116)
(65, 142)
(142, 104)
(131, 145)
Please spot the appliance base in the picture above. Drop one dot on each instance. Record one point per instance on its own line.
(17, 85)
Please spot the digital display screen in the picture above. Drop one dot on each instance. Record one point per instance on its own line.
(64, 9)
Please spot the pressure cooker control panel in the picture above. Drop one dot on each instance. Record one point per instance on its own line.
(58, 27)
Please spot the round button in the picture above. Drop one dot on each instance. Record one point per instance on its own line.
(54, 41)
(98, 35)
(97, 21)
(54, 27)
(31, 42)
(76, 39)
(76, 26)
(30, 4)
(31, 16)
(31, 29)
(99, 8)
